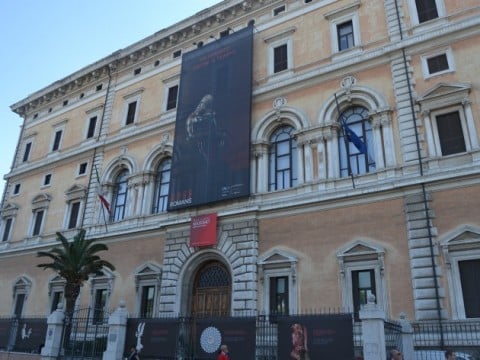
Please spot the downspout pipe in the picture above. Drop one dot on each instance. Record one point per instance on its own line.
(97, 140)
(424, 192)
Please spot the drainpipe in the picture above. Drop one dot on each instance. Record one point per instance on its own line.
(97, 140)
(424, 192)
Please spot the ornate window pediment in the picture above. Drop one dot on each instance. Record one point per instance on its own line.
(360, 250)
(444, 94)
(9, 210)
(41, 201)
(75, 192)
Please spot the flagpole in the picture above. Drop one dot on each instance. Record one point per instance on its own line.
(345, 138)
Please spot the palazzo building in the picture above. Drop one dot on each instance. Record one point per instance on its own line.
(362, 165)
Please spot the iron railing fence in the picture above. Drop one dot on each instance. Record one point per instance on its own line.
(263, 337)
(432, 338)
(85, 334)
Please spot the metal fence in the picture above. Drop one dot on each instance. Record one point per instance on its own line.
(262, 337)
(432, 338)
(85, 334)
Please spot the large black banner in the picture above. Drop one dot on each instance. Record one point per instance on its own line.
(237, 333)
(211, 159)
(315, 337)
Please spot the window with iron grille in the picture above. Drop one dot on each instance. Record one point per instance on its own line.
(437, 63)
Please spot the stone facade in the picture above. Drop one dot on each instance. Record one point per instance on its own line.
(407, 218)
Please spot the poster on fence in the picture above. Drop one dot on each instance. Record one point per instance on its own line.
(237, 333)
(30, 335)
(153, 338)
(5, 326)
(315, 337)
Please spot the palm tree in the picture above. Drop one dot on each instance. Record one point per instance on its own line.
(75, 261)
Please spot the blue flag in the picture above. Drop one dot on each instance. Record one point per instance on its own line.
(353, 138)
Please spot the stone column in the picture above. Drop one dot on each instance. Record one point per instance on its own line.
(373, 330)
(53, 338)
(407, 338)
(117, 333)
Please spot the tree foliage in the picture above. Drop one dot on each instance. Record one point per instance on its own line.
(75, 261)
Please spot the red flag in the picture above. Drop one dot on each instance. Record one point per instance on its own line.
(102, 198)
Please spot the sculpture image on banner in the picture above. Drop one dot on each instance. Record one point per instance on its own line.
(211, 155)
(315, 337)
(237, 333)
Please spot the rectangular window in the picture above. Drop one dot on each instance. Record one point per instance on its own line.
(92, 123)
(132, 107)
(37, 222)
(450, 133)
(426, 9)
(280, 58)
(47, 179)
(19, 301)
(470, 278)
(100, 303)
(437, 63)
(278, 10)
(74, 212)
(345, 35)
(147, 302)
(7, 228)
(16, 189)
(57, 299)
(82, 169)
(363, 284)
(279, 295)
(56, 140)
(172, 97)
(26, 153)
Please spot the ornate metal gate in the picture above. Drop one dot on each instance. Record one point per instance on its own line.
(85, 334)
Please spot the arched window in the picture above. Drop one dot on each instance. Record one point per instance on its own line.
(282, 159)
(120, 196)
(162, 183)
(355, 142)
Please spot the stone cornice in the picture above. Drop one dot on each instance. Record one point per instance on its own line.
(208, 20)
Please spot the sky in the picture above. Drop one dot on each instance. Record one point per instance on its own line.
(43, 41)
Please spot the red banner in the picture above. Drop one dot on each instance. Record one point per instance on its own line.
(203, 230)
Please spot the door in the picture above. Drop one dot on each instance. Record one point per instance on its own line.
(211, 290)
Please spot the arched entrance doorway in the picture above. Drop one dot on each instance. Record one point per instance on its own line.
(212, 289)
